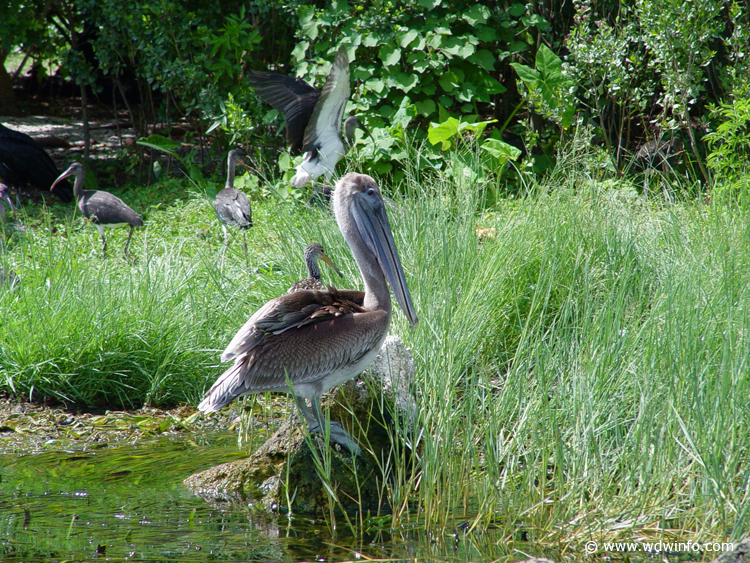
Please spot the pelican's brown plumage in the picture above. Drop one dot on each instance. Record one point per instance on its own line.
(313, 253)
(315, 340)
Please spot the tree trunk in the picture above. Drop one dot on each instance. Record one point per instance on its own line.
(7, 96)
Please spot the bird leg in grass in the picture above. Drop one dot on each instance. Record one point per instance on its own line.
(316, 422)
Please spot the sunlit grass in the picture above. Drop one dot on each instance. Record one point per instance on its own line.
(582, 367)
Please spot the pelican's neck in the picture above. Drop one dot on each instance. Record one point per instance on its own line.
(377, 294)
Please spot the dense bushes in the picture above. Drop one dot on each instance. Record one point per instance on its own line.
(636, 70)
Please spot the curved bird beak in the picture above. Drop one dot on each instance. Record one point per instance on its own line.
(328, 261)
(375, 230)
(61, 177)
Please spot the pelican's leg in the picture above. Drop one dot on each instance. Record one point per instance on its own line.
(317, 423)
(127, 244)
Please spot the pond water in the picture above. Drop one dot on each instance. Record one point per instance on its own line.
(125, 501)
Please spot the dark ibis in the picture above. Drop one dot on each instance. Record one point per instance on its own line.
(315, 340)
(313, 118)
(313, 253)
(24, 162)
(232, 206)
(101, 208)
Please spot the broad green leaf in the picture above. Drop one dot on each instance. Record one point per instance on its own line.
(307, 22)
(429, 4)
(408, 37)
(376, 85)
(500, 149)
(443, 132)
(529, 76)
(299, 51)
(402, 81)
(371, 40)
(389, 54)
(477, 14)
(484, 59)
(425, 107)
(516, 10)
(549, 65)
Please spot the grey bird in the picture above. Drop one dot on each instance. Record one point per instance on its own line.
(101, 208)
(314, 340)
(313, 253)
(313, 118)
(232, 206)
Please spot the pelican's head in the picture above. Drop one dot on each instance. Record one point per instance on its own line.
(360, 214)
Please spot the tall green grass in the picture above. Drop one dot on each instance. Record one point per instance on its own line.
(582, 371)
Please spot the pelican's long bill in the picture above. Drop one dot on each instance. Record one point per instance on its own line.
(371, 221)
(69, 172)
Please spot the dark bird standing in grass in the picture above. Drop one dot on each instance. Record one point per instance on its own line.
(232, 206)
(313, 118)
(313, 253)
(23, 162)
(315, 340)
(101, 208)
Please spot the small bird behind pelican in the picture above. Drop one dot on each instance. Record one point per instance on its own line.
(232, 206)
(314, 340)
(101, 208)
(313, 118)
(313, 253)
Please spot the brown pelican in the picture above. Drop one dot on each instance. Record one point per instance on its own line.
(101, 208)
(232, 206)
(313, 118)
(313, 253)
(315, 340)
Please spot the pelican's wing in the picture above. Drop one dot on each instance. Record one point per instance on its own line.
(290, 311)
(326, 119)
(293, 97)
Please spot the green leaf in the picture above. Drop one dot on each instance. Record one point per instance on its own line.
(307, 22)
(529, 76)
(425, 107)
(371, 40)
(389, 54)
(429, 4)
(500, 149)
(376, 85)
(517, 10)
(443, 132)
(549, 65)
(476, 15)
(408, 37)
(299, 51)
(484, 59)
